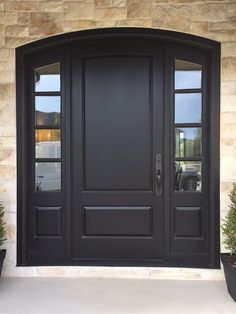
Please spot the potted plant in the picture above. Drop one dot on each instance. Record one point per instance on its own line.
(2, 237)
(229, 234)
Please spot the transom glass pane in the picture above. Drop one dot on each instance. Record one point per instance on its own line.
(188, 176)
(47, 78)
(188, 142)
(187, 75)
(47, 176)
(188, 108)
(47, 110)
(48, 143)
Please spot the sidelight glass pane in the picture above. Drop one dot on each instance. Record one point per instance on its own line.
(47, 78)
(188, 176)
(47, 110)
(188, 142)
(188, 108)
(187, 75)
(48, 143)
(47, 176)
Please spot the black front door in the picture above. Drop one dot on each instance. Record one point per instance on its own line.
(117, 131)
(117, 150)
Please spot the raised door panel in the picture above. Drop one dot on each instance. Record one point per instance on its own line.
(117, 123)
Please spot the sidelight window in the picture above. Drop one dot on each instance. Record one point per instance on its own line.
(47, 125)
(188, 126)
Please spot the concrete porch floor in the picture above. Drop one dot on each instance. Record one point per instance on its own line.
(95, 295)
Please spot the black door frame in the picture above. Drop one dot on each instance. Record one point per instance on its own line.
(23, 55)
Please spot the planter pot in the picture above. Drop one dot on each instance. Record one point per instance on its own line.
(230, 274)
(2, 256)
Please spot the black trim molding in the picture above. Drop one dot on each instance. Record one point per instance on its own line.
(60, 48)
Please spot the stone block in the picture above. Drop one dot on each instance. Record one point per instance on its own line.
(103, 3)
(228, 49)
(23, 18)
(159, 13)
(13, 42)
(200, 13)
(229, 117)
(2, 36)
(8, 192)
(7, 66)
(218, 12)
(178, 19)
(106, 23)
(110, 13)
(134, 22)
(231, 24)
(73, 25)
(7, 151)
(228, 88)
(7, 113)
(119, 3)
(222, 35)
(199, 28)
(228, 103)
(7, 171)
(228, 147)
(44, 24)
(7, 131)
(227, 171)
(139, 9)
(8, 18)
(22, 6)
(232, 10)
(7, 55)
(51, 6)
(17, 30)
(161, 2)
(225, 187)
(7, 91)
(79, 10)
(228, 131)
(228, 69)
(7, 76)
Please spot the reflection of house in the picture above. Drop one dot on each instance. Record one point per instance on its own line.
(47, 118)
(187, 142)
(48, 149)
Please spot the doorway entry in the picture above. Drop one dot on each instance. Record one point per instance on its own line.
(118, 156)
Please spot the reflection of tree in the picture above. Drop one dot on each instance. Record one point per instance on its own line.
(48, 118)
(197, 141)
(57, 118)
(188, 142)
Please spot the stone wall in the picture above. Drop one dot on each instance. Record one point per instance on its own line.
(25, 21)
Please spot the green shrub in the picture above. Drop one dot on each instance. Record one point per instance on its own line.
(229, 223)
(2, 226)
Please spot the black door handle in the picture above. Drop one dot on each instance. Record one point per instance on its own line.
(158, 174)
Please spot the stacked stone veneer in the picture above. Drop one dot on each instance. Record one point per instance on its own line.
(22, 22)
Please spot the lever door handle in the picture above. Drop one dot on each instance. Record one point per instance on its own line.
(158, 174)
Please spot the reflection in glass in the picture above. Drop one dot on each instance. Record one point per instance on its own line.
(188, 142)
(188, 108)
(47, 143)
(47, 176)
(47, 110)
(188, 176)
(47, 78)
(187, 75)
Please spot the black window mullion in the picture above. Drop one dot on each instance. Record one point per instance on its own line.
(48, 126)
(48, 159)
(46, 94)
(188, 91)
